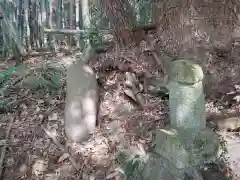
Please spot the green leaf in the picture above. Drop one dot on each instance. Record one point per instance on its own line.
(4, 107)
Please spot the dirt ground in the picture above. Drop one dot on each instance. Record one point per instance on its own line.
(38, 117)
(31, 151)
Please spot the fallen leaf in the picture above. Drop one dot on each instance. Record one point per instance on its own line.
(53, 117)
(237, 98)
(237, 87)
(3, 142)
(40, 166)
(63, 157)
(130, 94)
(113, 174)
(23, 168)
(37, 110)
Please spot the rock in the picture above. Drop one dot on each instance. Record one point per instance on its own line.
(82, 98)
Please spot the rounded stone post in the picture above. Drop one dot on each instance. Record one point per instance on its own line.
(186, 97)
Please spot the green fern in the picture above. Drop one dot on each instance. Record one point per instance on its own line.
(94, 37)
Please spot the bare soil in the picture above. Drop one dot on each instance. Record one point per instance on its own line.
(30, 151)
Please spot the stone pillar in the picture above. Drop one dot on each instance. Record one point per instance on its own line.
(81, 104)
(186, 143)
(186, 97)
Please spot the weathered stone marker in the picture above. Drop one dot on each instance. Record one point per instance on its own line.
(186, 97)
(186, 143)
(81, 106)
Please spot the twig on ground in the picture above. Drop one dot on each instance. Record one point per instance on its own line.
(10, 143)
(138, 96)
(145, 82)
(132, 83)
(3, 154)
(61, 147)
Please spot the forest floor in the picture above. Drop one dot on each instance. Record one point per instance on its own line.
(39, 118)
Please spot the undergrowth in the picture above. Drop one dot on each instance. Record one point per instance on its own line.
(133, 164)
(45, 78)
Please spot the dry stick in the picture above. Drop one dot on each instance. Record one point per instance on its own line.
(138, 96)
(62, 148)
(3, 154)
(34, 54)
(135, 90)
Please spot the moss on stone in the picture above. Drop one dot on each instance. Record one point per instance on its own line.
(185, 72)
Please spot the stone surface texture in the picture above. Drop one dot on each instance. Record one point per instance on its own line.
(82, 98)
(183, 146)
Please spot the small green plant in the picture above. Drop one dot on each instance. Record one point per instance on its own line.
(132, 164)
(46, 77)
(5, 76)
(94, 37)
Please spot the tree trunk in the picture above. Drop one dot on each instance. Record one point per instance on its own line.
(86, 19)
(122, 20)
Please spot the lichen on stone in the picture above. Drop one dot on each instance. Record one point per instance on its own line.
(185, 72)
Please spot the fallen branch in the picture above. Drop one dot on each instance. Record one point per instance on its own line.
(3, 154)
(62, 148)
(146, 28)
(33, 54)
(71, 31)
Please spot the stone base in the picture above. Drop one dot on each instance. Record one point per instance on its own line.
(158, 168)
(169, 145)
(174, 156)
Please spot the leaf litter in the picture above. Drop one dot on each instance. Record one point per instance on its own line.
(32, 152)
